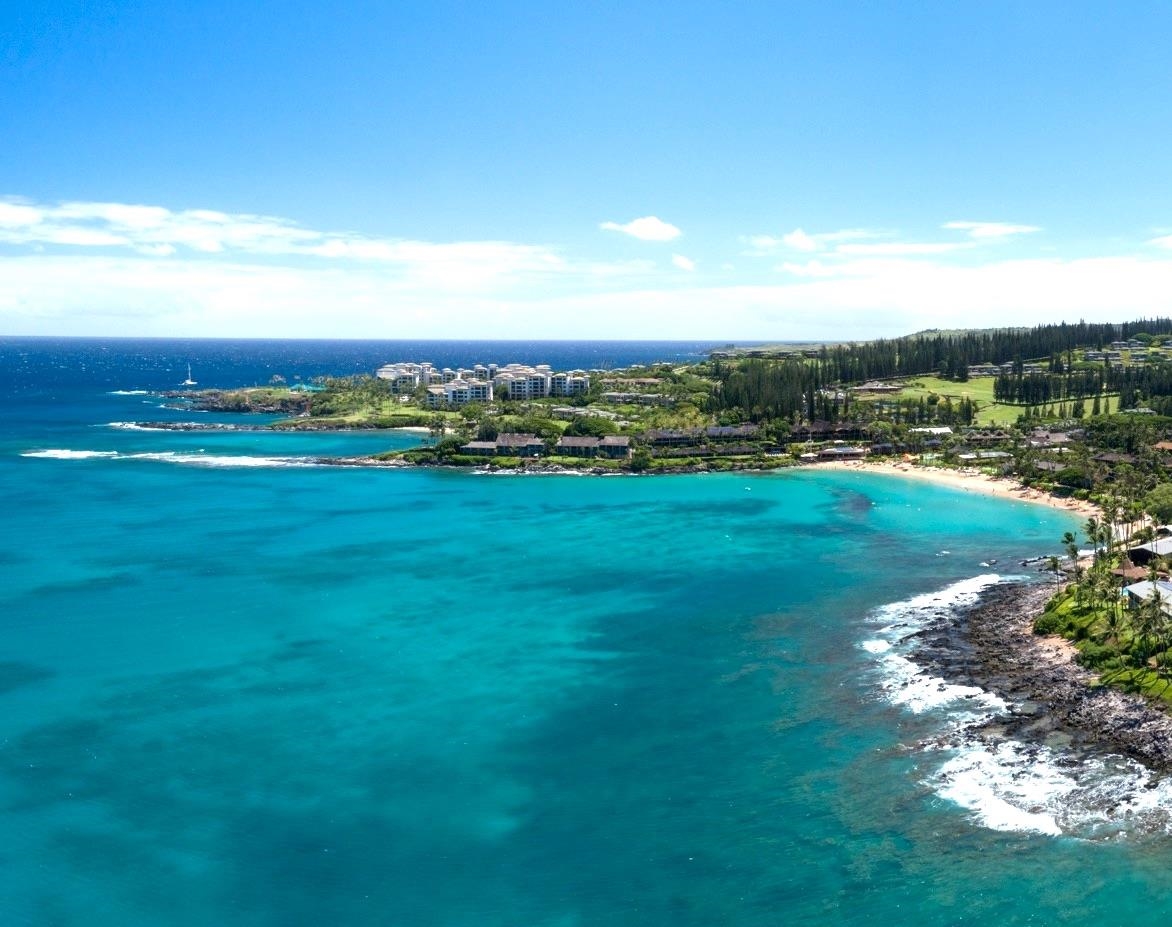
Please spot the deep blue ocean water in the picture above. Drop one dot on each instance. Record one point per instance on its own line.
(239, 690)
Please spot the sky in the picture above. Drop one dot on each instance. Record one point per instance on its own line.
(734, 171)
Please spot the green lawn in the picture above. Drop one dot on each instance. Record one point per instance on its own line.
(978, 389)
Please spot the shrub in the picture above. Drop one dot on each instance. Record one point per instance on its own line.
(1095, 656)
(1049, 623)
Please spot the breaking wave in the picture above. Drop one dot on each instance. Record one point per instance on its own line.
(1047, 788)
(174, 457)
(66, 454)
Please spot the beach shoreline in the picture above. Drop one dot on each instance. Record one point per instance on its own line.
(968, 480)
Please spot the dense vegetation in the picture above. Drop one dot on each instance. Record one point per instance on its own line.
(810, 387)
(1126, 640)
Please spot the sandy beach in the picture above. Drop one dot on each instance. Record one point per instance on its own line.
(968, 480)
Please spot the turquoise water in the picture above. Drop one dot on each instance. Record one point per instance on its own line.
(241, 691)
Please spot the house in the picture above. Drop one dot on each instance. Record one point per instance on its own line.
(616, 447)
(672, 437)
(613, 447)
(842, 452)
(1146, 553)
(1138, 593)
(517, 445)
(874, 386)
(577, 446)
(506, 445)
(1111, 459)
(1041, 437)
(827, 431)
(645, 399)
(730, 432)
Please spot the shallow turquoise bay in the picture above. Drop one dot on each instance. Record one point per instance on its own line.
(283, 695)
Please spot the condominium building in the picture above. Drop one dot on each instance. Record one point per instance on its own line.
(458, 393)
(512, 381)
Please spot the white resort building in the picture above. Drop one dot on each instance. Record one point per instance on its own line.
(459, 392)
(482, 382)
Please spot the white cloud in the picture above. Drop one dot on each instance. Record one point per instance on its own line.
(800, 241)
(984, 230)
(647, 228)
(803, 241)
(162, 250)
(16, 214)
(762, 243)
(158, 232)
(101, 268)
(811, 269)
(857, 298)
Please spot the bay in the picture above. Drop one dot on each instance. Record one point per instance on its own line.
(240, 690)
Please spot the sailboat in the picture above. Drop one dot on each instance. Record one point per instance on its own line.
(188, 381)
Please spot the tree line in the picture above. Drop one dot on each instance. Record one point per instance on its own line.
(811, 388)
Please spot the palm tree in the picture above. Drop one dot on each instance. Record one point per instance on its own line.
(1150, 622)
(1070, 542)
(1105, 533)
(1091, 528)
(1111, 516)
(1053, 565)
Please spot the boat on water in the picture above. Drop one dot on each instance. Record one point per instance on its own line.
(188, 381)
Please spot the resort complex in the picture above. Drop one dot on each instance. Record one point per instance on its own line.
(481, 383)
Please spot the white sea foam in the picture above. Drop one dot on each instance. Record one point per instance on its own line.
(1014, 787)
(127, 426)
(66, 454)
(222, 460)
(174, 457)
(1004, 787)
(908, 685)
(128, 392)
(1006, 784)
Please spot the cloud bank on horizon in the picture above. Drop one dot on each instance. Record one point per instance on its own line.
(120, 268)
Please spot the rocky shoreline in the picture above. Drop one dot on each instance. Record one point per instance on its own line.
(1053, 700)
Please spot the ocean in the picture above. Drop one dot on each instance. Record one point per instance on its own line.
(240, 689)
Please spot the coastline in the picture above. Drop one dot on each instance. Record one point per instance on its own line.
(993, 646)
(968, 480)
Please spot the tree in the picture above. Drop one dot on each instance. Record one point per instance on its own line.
(583, 426)
(1070, 542)
(1054, 566)
(1158, 503)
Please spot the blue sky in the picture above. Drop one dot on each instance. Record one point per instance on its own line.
(725, 171)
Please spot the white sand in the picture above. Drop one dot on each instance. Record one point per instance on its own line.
(968, 480)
